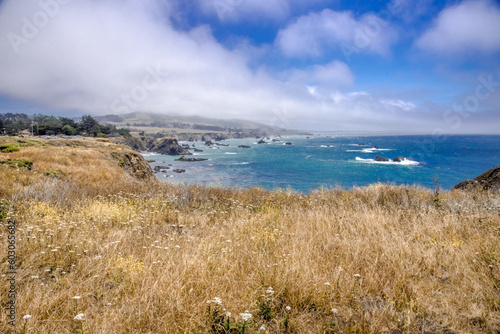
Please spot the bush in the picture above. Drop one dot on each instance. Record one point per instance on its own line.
(8, 148)
(18, 163)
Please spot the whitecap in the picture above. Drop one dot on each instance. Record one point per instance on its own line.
(405, 162)
(231, 153)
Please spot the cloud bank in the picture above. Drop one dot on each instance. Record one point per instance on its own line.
(110, 56)
(468, 27)
(315, 34)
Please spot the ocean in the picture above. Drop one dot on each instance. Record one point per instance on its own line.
(329, 161)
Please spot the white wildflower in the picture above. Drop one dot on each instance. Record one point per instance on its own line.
(77, 297)
(79, 317)
(357, 275)
(327, 283)
(288, 308)
(216, 300)
(334, 310)
(246, 316)
(270, 290)
(27, 316)
(262, 328)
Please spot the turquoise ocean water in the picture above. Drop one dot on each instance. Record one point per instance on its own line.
(329, 161)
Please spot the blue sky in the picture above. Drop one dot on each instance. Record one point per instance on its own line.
(387, 66)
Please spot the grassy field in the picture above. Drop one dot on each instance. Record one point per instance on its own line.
(101, 252)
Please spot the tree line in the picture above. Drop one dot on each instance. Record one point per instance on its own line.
(43, 125)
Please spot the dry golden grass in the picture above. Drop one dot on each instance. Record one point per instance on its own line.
(146, 259)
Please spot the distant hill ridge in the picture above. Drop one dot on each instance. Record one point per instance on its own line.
(152, 118)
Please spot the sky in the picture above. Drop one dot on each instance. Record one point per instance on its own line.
(402, 66)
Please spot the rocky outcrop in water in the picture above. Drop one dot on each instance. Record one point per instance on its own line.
(486, 181)
(183, 158)
(166, 145)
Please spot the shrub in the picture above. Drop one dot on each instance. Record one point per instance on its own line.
(8, 148)
(18, 163)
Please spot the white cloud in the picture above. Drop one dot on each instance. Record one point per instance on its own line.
(315, 34)
(111, 56)
(249, 10)
(469, 27)
(236, 10)
(332, 75)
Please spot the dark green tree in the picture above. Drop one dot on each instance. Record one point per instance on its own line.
(88, 123)
(95, 131)
(68, 130)
(67, 121)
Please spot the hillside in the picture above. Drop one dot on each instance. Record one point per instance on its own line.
(103, 248)
(184, 127)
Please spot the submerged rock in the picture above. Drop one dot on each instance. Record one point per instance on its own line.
(401, 159)
(244, 146)
(160, 168)
(178, 170)
(183, 158)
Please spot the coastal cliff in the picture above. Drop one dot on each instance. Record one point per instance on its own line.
(486, 181)
(94, 166)
(157, 144)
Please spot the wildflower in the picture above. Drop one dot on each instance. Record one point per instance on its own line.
(79, 317)
(334, 310)
(270, 291)
(27, 316)
(77, 297)
(216, 300)
(288, 308)
(33, 277)
(327, 283)
(262, 328)
(54, 250)
(357, 275)
(228, 314)
(246, 316)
